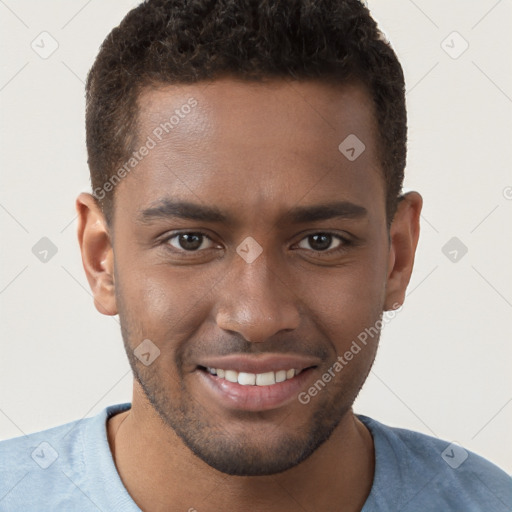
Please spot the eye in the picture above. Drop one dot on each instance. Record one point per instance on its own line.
(190, 242)
(321, 242)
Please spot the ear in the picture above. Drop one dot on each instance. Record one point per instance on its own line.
(404, 234)
(97, 253)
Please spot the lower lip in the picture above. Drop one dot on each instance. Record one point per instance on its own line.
(232, 395)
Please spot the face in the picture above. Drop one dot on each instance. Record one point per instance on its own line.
(247, 247)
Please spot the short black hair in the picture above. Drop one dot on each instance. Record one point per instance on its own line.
(188, 41)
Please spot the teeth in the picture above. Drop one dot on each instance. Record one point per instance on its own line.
(265, 379)
(281, 376)
(254, 379)
(231, 375)
(247, 379)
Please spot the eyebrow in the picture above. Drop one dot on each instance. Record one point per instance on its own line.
(340, 209)
(167, 209)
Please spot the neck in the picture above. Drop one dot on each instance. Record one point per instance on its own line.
(161, 473)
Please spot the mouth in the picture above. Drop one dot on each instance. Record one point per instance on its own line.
(272, 383)
(270, 378)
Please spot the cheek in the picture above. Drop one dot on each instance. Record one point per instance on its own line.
(348, 302)
(163, 304)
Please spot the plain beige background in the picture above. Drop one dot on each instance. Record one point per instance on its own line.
(443, 367)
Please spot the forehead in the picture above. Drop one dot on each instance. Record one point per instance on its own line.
(228, 108)
(259, 144)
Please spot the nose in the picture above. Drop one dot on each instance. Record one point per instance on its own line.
(257, 302)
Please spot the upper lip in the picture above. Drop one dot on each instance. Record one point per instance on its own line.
(259, 364)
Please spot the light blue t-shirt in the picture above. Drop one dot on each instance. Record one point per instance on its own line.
(70, 468)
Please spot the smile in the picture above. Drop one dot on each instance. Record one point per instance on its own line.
(254, 379)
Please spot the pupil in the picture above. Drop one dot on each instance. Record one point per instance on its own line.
(320, 242)
(190, 241)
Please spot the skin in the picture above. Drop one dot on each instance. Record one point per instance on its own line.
(255, 151)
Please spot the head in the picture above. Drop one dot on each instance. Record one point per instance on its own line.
(247, 163)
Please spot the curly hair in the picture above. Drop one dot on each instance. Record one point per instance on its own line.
(187, 41)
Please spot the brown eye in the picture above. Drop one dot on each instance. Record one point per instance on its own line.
(188, 241)
(320, 242)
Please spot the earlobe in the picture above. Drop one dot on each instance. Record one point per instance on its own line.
(404, 235)
(97, 253)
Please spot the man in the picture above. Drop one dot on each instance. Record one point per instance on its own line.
(248, 227)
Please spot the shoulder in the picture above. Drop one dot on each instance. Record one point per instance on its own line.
(423, 472)
(46, 470)
(42, 449)
(39, 461)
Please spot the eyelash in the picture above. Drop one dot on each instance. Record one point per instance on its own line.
(345, 242)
